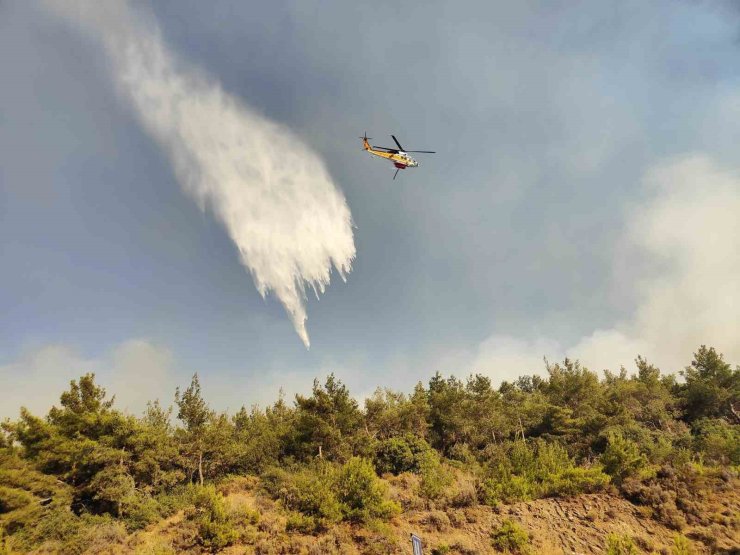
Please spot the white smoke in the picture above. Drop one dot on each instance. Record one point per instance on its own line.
(273, 194)
(689, 230)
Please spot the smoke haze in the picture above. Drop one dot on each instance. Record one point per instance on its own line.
(687, 229)
(274, 195)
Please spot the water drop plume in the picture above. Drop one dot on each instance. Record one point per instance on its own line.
(274, 195)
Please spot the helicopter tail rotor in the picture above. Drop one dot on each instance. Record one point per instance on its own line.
(365, 140)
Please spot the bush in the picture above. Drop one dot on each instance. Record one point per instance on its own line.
(215, 527)
(434, 477)
(510, 537)
(461, 452)
(505, 488)
(717, 440)
(56, 525)
(309, 493)
(574, 481)
(12, 499)
(142, 510)
(463, 492)
(400, 454)
(361, 494)
(660, 499)
(681, 546)
(329, 493)
(622, 458)
(108, 536)
(113, 489)
(304, 524)
(620, 545)
(59, 530)
(519, 471)
(394, 455)
(177, 499)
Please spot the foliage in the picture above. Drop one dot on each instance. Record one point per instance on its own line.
(401, 454)
(324, 421)
(361, 495)
(87, 473)
(675, 494)
(434, 477)
(622, 458)
(712, 386)
(216, 528)
(308, 491)
(620, 545)
(510, 538)
(681, 546)
(527, 470)
(195, 415)
(261, 436)
(328, 493)
(717, 440)
(389, 413)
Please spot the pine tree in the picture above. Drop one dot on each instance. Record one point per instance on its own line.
(195, 415)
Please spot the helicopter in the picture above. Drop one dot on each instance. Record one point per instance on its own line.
(399, 156)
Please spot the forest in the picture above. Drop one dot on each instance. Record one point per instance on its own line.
(323, 473)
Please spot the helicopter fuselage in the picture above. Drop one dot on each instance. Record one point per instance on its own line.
(400, 159)
(398, 156)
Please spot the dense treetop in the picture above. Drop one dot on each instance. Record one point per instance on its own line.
(567, 432)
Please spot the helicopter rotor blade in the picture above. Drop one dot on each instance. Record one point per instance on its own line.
(422, 151)
(396, 141)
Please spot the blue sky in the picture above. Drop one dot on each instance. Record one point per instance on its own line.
(581, 201)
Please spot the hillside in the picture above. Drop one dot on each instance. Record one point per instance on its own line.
(570, 463)
(579, 525)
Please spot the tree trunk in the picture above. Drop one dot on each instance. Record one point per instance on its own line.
(200, 467)
(521, 429)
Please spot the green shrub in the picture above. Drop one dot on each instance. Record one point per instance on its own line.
(434, 477)
(394, 455)
(620, 545)
(681, 546)
(298, 522)
(141, 511)
(59, 530)
(309, 492)
(210, 513)
(361, 494)
(177, 499)
(12, 499)
(400, 454)
(680, 457)
(510, 537)
(58, 524)
(505, 488)
(114, 490)
(622, 458)
(461, 452)
(717, 440)
(520, 471)
(328, 493)
(576, 480)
